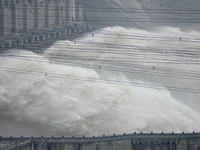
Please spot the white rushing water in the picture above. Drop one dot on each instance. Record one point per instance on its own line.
(113, 81)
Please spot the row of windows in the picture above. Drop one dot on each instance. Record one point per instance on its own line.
(17, 2)
(7, 3)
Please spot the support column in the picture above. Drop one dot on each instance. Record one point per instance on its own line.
(70, 10)
(41, 14)
(77, 4)
(47, 17)
(20, 15)
(1, 18)
(24, 16)
(32, 146)
(51, 12)
(16, 14)
(35, 15)
(7, 19)
(30, 15)
(13, 15)
(57, 146)
(56, 12)
(80, 14)
(79, 10)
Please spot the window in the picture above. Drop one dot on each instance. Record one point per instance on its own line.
(6, 2)
(18, 1)
(29, 1)
(39, 1)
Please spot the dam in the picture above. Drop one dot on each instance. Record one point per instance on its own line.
(35, 24)
(28, 24)
(135, 141)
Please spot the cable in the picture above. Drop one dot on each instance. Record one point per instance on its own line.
(144, 85)
(79, 50)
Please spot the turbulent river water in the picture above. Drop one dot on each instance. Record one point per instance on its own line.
(115, 80)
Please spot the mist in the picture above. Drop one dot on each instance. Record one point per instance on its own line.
(110, 81)
(143, 14)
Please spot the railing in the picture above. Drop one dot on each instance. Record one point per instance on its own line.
(93, 139)
(106, 138)
(135, 136)
(8, 145)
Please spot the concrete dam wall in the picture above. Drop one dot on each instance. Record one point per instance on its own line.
(25, 23)
(141, 141)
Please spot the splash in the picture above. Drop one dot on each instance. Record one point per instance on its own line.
(54, 94)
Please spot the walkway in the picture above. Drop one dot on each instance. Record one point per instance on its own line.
(9, 145)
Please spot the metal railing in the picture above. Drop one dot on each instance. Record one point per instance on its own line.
(83, 139)
(9, 145)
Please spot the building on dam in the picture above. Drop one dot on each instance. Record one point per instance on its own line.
(24, 22)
